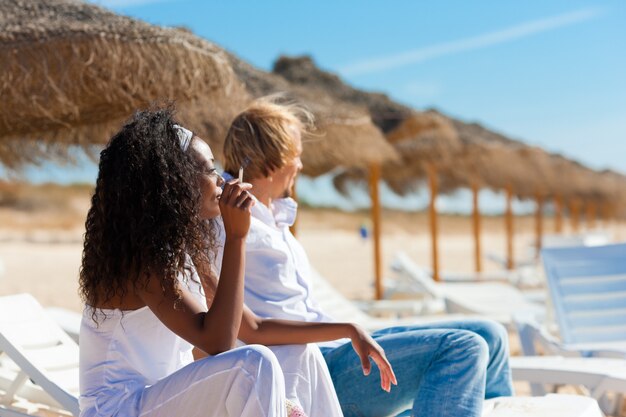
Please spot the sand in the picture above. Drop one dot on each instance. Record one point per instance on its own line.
(41, 231)
(41, 242)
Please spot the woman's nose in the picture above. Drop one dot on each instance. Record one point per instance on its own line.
(220, 180)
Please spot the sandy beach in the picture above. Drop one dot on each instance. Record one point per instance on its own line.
(41, 230)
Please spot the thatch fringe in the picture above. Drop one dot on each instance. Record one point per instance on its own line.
(97, 81)
(386, 113)
(72, 72)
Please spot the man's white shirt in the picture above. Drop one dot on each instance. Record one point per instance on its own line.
(277, 268)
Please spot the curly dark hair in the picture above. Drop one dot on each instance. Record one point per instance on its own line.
(144, 216)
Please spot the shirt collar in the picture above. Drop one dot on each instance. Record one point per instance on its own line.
(281, 213)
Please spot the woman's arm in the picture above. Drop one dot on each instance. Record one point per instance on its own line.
(285, 332)
(281, 332)
(214, 331)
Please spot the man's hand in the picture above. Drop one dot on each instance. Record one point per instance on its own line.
(367, 347)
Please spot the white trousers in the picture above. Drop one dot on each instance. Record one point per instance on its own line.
(243, 382)
(249, 381)
(307, 379)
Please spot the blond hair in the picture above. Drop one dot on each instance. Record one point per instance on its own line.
(259, 137)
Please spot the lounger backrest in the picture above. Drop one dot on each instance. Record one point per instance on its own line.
(596, 238)
(562, 241)
(38, 361)
(588, 288)
(418, 276)
(334, 303)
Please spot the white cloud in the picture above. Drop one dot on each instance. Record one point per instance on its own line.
(476, 42)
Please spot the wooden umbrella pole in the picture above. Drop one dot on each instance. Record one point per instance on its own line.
(476, 228)
(605, 214)
(294, 227)
(539, 223)
(591, 215)
(558, 214)
(510, 264)
(374, 178)
(432, 182)
(574, 214)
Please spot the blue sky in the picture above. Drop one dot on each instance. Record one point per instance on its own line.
(552, 73)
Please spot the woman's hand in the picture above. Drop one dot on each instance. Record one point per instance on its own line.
(235, 204)
(367, 347)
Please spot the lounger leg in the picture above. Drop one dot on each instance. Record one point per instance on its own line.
(18, 382)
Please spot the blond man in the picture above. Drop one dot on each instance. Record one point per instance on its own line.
(444, 369)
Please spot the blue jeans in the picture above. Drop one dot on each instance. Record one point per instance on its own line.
(443, 369)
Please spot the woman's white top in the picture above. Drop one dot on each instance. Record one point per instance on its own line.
(124, 352)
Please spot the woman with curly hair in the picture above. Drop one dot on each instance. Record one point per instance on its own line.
(146, 279)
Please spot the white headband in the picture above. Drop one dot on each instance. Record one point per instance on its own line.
(184, 137)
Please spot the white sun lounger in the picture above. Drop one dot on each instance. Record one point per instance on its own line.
(601, 376)
(496, 300)
(68, 320)
(502, 275)
(395, 312)
(553, 405)
(596, 238)
(38, 361)
(36, 348)
(592, 238)
(588, 289)
(333, 302)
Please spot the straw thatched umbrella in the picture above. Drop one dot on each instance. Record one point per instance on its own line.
(504, 163)
(465, 154)
(429, 142)
(614, 194)
(422, 140)
(71, 72)
(578, 184)
(598, 189)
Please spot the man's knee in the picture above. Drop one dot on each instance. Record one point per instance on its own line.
(469, 346)
(494, 333)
